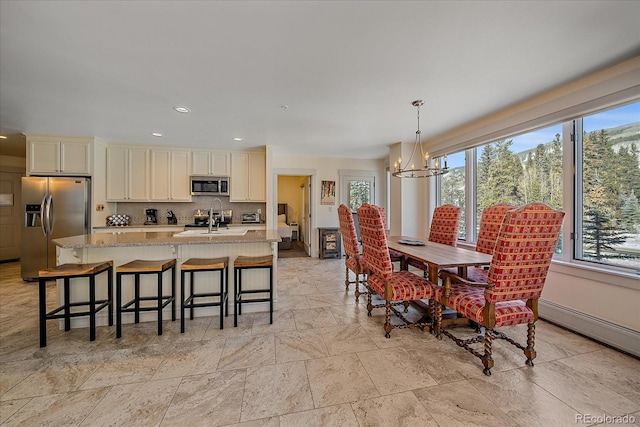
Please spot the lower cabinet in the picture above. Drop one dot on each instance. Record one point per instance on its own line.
(330, 243)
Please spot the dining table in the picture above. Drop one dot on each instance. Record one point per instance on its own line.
(437, 256)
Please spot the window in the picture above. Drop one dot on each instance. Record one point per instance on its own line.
(529, 168)
(607, 228)
(358, 190)
(452, 188)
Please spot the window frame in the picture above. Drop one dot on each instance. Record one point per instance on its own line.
(572, 193)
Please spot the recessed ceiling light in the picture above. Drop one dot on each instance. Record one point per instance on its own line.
(237, 139)
(181, 109)
(157, 134)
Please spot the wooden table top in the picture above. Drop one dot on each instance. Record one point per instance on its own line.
(437, 254)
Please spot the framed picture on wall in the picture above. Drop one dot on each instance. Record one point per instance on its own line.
(328, 193)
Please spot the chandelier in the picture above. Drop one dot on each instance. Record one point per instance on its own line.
(426, 166)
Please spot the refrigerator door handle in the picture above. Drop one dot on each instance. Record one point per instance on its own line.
(51, 215)
(43, 219)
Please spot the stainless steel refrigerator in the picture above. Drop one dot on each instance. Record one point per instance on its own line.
(54, 207)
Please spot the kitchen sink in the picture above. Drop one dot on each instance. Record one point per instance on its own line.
(233, 231)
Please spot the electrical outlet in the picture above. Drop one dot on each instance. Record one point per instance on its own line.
(259, 211)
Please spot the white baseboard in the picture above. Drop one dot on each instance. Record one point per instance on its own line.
(606, 332)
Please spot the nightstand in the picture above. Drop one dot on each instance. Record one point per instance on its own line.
(294, 231)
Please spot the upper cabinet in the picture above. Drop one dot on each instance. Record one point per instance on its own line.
(127, 174)
(170, 175)
(210, 163)
(248, 176)
(59, 155)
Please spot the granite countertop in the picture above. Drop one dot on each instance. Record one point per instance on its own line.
(164, 238)
(181, 225)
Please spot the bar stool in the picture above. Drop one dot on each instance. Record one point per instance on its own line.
(75, 271)
(194, 265)
(137, 268)
(244, 263)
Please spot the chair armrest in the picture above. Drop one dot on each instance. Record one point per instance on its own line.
(457, 279)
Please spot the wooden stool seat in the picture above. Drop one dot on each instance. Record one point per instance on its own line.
(248, 262)
(194, 265)
(143, 266)
(138, 267)
(253, 261)
(71, 270)
(68, 272)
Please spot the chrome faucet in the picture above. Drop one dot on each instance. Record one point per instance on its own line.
(220, 218)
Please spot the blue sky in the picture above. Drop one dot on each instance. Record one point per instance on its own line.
(604, 120)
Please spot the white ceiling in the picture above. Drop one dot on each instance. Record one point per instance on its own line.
(347, 71)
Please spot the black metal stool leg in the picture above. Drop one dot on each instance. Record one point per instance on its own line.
(160, 303)
(92, 308)
(110, 294)
(67, 305)
(221, 297)
(42, 296)
(174, 273)
(137, 298)
(183, 274)
(118, 305)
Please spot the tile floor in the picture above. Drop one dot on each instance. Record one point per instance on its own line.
(323, 362)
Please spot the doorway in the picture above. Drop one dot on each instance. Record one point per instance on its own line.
(294, 191)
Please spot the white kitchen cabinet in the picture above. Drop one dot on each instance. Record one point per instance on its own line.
(170, 176)
(59, 156)
(215, 163)
(248, 172)
(180, 184)
(127, 174)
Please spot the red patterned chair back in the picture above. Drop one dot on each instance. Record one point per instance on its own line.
(445, 224)
(523, 252)
(490, 226)
(374, 241)
(348, 231)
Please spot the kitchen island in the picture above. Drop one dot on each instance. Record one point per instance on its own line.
(123, 247)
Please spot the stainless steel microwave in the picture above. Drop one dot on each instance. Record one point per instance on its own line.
(209, 185)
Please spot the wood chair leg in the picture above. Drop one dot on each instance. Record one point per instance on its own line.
(531, 337)
(487, 359)
(437, 319)
(387, 319)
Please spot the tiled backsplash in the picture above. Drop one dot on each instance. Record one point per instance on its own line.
(185, 210)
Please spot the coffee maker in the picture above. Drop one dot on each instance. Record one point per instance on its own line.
(152, 216)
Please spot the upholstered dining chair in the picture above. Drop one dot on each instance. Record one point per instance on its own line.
(393, 286)
(444, 229)
(521, 258)
(395, 255)
(490, 223)
(353, 261)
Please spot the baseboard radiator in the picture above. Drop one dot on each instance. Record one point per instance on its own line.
(616, 336)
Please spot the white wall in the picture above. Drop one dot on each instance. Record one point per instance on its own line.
(326, 169)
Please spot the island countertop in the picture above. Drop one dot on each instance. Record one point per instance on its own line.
(163, 238)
